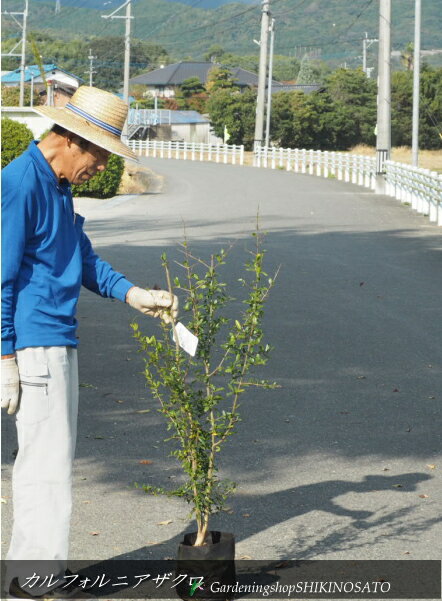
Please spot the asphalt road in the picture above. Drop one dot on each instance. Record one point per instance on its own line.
(342, 462)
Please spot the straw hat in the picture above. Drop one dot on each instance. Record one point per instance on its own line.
(96, 116)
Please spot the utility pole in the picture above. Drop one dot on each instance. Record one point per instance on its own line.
(260, 101)
(366, 43)
(269, 85)
(128, 18)
(57, 7)
(383, 128)
(22, 54)
(127, 54)
(416, 83)
(91, 67)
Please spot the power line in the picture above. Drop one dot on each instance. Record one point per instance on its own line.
(333, 41)
(243, 12)
(288, 12)
(173, 16)
(171, 45)
(358, 16)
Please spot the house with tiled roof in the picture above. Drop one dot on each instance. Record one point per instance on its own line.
(164, 81)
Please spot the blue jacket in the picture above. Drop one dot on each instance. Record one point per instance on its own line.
(46, 257)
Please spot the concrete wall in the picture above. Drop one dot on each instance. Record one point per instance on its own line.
(194, 132)
(36, 123)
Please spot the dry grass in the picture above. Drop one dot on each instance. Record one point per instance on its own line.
(428, 159)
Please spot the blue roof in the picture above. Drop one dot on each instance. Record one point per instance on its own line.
(33, 71)
(130, 98)
(187, 117)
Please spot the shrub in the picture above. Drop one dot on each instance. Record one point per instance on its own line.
(104, 184)
(11, 96)
(16, 137)
(200, 395)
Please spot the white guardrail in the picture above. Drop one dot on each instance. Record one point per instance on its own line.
(420, 188)
(220, 153)
(354, 168)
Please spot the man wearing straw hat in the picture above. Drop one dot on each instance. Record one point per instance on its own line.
(46, 257)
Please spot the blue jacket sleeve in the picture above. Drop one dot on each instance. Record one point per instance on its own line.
(16, 230)
(98, 276)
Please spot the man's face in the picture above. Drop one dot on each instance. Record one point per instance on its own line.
(84, 161)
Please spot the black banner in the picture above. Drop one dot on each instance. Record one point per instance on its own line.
(273, 579)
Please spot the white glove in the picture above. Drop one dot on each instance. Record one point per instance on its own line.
(157, 303)
(10, 385)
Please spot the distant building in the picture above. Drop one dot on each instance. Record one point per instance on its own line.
(164, 124)
(163, 82)
(62, 84)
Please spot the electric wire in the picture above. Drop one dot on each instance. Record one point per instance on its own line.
(168, 45)
(288, 12)
(338, 37)
(174, 16)
(235, 16)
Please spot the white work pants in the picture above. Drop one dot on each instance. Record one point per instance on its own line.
(42, 475)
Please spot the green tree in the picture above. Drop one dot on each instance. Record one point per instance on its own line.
(16, 137)
(282, 123)
(306, 73)
(71, 54)
(354, 94)
(219, 78)
(148, 102)
(430, 114)
(191, 86)
(311, 121)
(236, 111)
(285, 68)
(407, 56)
(11, 96)
(214, 53)
(110, 57)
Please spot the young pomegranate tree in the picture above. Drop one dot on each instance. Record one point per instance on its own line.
(200, 395)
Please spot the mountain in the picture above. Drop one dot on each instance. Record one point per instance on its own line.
(330, 29)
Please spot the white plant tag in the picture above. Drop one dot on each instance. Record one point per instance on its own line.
(187, 341)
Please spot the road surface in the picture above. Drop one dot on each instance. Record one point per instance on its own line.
(342, 462)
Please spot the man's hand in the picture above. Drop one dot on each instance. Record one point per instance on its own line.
(157, 303)
(10, 385)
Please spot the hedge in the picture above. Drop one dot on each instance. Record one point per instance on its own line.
(16, 137)
(104, 184)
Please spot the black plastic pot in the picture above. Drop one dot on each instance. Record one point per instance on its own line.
(214, 562)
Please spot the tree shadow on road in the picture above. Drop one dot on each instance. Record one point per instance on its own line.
(356, 322)
(293, 541)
